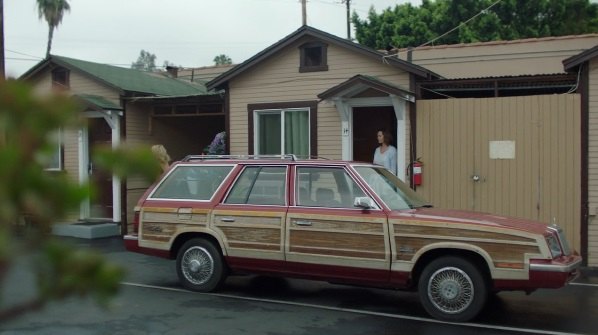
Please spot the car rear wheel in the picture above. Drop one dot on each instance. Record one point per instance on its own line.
(200, 266)
(452, 289)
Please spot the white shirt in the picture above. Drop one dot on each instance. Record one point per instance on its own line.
(388, 159)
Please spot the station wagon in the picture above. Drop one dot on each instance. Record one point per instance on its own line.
(342, 222)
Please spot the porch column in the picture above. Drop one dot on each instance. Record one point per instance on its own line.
(399, 106)
(344, 111)
(113, 119)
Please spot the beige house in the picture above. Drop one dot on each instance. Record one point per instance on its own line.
(124, 105)
(315, 94)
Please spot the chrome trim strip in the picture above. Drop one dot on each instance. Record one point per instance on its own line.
(555, 267)
(131, 237)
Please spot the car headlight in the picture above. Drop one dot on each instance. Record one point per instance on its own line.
(554, 246)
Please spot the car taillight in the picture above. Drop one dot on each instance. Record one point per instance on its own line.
(136, 222)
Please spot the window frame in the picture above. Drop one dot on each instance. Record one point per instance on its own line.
(60, 147)
(216, 191)
(347, 174)
(311, 106)
(282, 113)
(303, 68)
(67, 78)
(245, 167)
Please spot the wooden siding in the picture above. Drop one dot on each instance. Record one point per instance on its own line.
(541, 183)
(593, 164)
(278, 80)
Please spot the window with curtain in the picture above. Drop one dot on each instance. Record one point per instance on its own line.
(282, 132)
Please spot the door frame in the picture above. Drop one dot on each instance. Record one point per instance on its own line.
(345, 106)
(113, 120)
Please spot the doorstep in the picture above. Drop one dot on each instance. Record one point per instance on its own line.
(87, 229)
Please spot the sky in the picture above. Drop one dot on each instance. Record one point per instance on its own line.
(188, 33)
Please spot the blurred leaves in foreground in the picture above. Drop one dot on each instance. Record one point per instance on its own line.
(32, 199)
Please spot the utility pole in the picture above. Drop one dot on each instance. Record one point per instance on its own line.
(2, 72)
(348, 2)
(304, 11)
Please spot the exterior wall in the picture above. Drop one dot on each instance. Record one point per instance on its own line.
(512, 58)
(540, 181)
(593, 164)
(278, 80)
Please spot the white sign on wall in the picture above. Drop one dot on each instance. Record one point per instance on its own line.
(502, 149)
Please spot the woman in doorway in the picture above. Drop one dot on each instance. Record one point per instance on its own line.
(386, 154)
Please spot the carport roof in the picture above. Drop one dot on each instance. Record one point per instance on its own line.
(360, 83)
(97, 102)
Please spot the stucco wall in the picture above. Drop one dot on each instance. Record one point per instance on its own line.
(278, 80)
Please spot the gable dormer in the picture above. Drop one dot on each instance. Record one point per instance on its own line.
(313, 57)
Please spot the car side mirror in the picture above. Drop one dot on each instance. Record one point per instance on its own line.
(364, 202)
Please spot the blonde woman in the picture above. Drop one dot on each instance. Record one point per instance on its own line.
(162, 156)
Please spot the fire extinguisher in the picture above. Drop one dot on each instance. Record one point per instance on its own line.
(417, 172)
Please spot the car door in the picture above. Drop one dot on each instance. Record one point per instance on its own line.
(251, 217)
(327, 237)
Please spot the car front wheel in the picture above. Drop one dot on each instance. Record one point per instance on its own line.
(452, 289)
(200, 266)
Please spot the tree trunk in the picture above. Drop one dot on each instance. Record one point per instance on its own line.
(50, 35)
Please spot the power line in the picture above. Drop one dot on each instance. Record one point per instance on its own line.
(24, 54)
(483, 11)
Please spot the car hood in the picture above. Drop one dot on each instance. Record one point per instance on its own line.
(474, 218)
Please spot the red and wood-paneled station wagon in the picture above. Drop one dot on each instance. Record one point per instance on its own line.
(343, 222)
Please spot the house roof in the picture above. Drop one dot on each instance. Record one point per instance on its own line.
(358, 84)
(573, 61)
(417, 70)
(97, 102)
(123, 79)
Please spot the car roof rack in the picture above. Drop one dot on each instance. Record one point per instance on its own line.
(207, 157)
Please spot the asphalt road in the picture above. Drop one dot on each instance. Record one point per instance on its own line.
(152, 302)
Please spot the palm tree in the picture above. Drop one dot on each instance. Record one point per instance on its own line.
(52, 11)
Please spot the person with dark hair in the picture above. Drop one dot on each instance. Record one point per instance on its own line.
(386, 154)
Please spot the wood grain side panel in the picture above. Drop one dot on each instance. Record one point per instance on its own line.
(407, 248)
(425, 230)
(160, 231)
(337, 225)
(248, 220)
(338, 244)
(254, 235)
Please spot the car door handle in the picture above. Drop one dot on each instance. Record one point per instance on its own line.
(303, 223)
(227, 219)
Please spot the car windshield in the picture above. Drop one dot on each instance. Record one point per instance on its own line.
(395, 194)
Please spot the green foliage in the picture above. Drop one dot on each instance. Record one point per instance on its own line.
(222, 60)
(129, 161)
(145, 62)
(408, 26)
(27, 126)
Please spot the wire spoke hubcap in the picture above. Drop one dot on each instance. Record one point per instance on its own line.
(450, 290)
(197, 265)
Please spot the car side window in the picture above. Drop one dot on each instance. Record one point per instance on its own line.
(191, 182)
(259, 186)
(325, 187)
